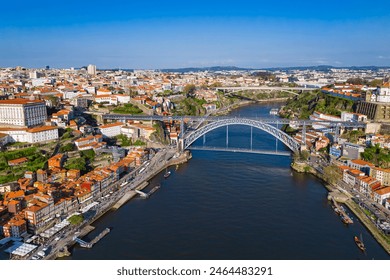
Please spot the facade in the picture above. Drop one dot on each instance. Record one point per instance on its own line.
(335, 151)
(351, 175)
(353, 117)
(382, 175)
(381, 195)
(23, 112)
(361, 165)
(375, 111)
(32, 135)
(91, 69)
(56, 161)
(16, 227)
(352, 151)
(90, 142)
(111, 130)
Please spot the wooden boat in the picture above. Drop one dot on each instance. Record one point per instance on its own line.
(360, 243)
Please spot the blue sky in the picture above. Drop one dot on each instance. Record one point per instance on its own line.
(166, 34)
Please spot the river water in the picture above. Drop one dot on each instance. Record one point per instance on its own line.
(224, 205)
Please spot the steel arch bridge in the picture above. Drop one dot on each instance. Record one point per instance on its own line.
(192, 136)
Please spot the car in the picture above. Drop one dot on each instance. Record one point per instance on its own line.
(57, 238)
(36, 257)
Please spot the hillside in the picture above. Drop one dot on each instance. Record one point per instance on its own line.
(305, 104)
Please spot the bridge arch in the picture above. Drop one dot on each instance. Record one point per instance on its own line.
(277, 133)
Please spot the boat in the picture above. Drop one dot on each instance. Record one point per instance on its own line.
(360, 243)
(167, 174)
(152, 191)
(274, 112)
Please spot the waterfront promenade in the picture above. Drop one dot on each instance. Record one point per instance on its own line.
(164, 158)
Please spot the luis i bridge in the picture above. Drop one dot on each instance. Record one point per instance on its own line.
(196, 127)
(265, 88)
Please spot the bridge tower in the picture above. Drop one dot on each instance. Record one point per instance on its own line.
(303, 144)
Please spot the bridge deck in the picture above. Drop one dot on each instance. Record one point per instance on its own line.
(240, 150)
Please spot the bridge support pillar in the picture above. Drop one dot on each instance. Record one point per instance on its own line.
(180, 145)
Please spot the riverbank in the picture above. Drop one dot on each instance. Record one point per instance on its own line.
(234, 106)
(87, 228)
(344, 197)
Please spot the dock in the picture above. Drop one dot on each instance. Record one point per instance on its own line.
(142, 194)
(129, 195)
(340, 210)
(152, 191)
(89, 245)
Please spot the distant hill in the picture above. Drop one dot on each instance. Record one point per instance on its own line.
(211, 69)
(322, 68)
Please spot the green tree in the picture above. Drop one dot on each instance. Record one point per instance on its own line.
(88, 154)
(189, 89)
(67, 148)
(332, 174)
(76, 163)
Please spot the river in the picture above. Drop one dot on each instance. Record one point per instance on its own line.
(224, 205)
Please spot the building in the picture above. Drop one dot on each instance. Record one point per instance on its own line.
(350, 176)
(31, 135)
(360, 165)
(381, 195)
(91, 69)
(381, 174)
(56, 161)
(16, 227)
(90, 142)
(352, 151)
(379, 112)
(353, 117)
(23, 112)
(111, 129)
(335, 150)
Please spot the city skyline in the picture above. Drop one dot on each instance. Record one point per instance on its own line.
(174, 35)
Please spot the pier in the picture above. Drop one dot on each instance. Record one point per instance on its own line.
(142, 194)
(344, 217)
(89, 245)
(129, 195)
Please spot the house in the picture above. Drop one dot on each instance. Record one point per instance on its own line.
(111, 129)
(56, 161)
(367, 185)
(352, 151)
(351, 175)
(18, 161)
(381, 174)
(15, 227)
(360, 165)
(381, 195)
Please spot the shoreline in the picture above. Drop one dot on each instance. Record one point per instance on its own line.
(352, 206)
(88, 228)
(247, 103)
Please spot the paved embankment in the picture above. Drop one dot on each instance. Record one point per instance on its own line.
(382, 239)
(129, 195)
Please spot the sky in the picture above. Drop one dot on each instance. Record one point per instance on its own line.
(174, 34)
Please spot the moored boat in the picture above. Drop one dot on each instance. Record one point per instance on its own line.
(167, 174)
(359, 243)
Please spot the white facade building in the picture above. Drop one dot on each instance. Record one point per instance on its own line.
(32, 135)
(91, 69)
(23, 112)
(111, 130)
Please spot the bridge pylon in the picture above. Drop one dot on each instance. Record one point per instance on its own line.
(180, 145)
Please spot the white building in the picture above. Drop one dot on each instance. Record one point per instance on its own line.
(381, 95)
(23, 112)
(91, 69)
(111, 129)
(32, 135)
(353, 117)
